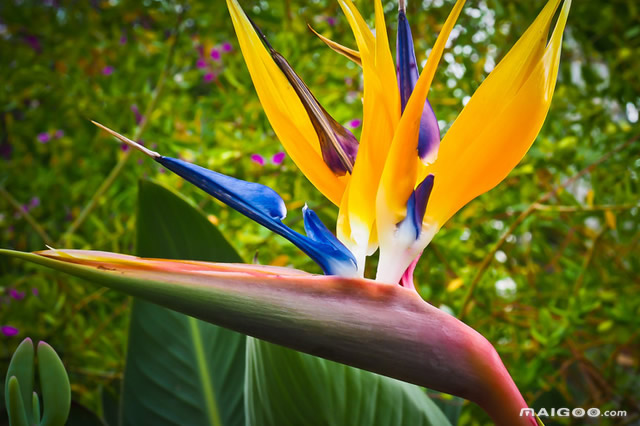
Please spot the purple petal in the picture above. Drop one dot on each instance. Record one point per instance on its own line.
(5, 150)
(15, 294)
(58, 134)
(136, 113)
(331, 21)
(124, 147)
(201, 63)
(355, 123)
(215, 54)
(278, 158)
(35, 202)
(407, 68)
(208, 77)
(44, 137)
(258, 159)
(108, 70)
(123, 39)
(34, 42)
(34, 291)
(9, 331)
(226, 47)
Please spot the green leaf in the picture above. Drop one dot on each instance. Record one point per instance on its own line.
(21, 367)
(35, 406)
(289, 387)
(180, 370)
(82, 416)
(54, 383)
(17, 413)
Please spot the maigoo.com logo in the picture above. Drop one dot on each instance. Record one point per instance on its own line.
(570, 412)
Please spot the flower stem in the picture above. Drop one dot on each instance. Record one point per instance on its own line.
(27, 216)
(532, 208)
(117, 169)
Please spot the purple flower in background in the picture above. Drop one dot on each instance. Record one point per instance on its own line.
(201, 63)
(33, 42)
(215, 54)
(123, 38)
(124, 147)
(5, 150)
(136, 112)
(258, 159)
(35, 202)
(331, 20)
(9, 331)
(226, 47)
(58, 134)
(278, 158)
(44, 137)
(15, 294)
(108, 70)
(35, 291)
(355, 123)
(208, 77)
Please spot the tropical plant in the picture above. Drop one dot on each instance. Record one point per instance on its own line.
(22, 402)
(396, 188)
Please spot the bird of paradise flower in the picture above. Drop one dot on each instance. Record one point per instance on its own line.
(395, 189)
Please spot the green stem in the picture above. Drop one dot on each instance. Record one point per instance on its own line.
(117, 169)
(27, 216)
(533, 207)
(576, 209)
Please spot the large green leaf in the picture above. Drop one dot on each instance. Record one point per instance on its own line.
(180, 370)
(286, 387)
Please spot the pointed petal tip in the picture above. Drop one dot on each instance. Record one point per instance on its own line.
(351, 54)
(128, 141)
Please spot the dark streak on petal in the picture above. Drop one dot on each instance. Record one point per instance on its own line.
(338, 145)
(417, 204)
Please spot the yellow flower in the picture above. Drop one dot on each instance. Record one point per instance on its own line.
(396, 197)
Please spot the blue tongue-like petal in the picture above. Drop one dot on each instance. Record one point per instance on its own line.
(265, 206)
(327, 242)
(407, 68)
(417, 205)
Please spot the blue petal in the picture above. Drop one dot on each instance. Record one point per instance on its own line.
(327, 242)
(265, 206)
(407, 68)
(417, 204)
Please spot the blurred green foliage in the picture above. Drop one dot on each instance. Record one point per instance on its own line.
(558, 297)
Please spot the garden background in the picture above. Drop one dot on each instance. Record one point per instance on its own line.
(545, 265)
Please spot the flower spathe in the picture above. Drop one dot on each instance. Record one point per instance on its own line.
(371, 325)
